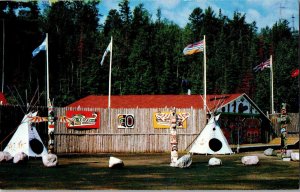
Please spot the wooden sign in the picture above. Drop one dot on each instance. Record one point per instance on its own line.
(162, 119)
(125, 121)
(83, 119)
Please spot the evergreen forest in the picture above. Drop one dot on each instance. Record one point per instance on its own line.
(147, 55)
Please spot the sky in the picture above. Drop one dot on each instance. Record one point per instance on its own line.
(263, 12)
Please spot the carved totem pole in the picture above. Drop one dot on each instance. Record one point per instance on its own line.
(283, 120)
(51, 122)
(173, 137)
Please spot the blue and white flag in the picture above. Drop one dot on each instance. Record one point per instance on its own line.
(39, 48)
(108, 49)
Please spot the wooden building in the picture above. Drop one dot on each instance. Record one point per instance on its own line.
(139, 123)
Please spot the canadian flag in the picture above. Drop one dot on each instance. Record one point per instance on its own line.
(295, 73)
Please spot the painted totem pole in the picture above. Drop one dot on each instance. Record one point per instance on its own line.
(173, 137)
(51, 122)
(283, 120)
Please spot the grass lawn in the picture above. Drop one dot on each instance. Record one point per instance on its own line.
(151, 171)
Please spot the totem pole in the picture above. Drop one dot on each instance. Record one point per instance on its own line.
(173, 137)
(51, 122)
(283, 120)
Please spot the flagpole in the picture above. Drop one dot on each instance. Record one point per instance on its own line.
(272, 89)
(47, 66)
(109, 86)
(204, 75)
(3, 54)
(49, 105)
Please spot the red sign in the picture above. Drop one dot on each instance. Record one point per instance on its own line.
(83, 119)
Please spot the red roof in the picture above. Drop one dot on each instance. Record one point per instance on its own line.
(154, 101)
(3, 100)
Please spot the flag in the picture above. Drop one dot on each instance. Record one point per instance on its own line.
(295, 73)
(262, 66)
(39, 48)
(108, 49)
(194, 48)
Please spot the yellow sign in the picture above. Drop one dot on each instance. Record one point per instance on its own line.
(162, 119)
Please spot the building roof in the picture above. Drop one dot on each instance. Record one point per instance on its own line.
(155, 101)
(3, 100)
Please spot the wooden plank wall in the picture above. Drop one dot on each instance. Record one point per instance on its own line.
(142, 138)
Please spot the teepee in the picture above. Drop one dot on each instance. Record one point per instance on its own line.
(211, 140)
(26, 139)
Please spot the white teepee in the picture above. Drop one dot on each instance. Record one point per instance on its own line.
(211, 140)
(26, 139)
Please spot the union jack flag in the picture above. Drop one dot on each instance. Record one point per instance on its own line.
(262, 66)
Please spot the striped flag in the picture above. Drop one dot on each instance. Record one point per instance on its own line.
(108, 49)
(39, 48)
(262, 66)
(194, 48)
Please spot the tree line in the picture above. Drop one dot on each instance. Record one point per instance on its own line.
(147, 53)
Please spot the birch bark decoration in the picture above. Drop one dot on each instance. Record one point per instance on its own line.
(173, 138)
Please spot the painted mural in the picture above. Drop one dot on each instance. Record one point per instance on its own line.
(83, 119)
(125, 121)
(162, 119)
(239, 129)
(240, 105)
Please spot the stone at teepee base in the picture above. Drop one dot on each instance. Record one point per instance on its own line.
(269, 152)
(288, 153)
(5, 156)
(20, 157)
(50, 160)
(214, 162)
(184, 162)
(250, 160)
(286, 159)
(115, 163)
(295, 156)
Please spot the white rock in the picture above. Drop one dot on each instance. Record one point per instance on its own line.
(50, 160)
(288, 153)
(184, 161)
(295, 156)
(20, 157)
(2, 159)
(286, 159)
(250, 160)
(5, 156)
(115, 163)
(268, 152)
(214, 161)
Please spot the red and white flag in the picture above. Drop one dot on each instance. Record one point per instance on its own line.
(295, 73)
(262, 66)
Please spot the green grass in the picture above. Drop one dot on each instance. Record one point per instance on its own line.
(151, 171)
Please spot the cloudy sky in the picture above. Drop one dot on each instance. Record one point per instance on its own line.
(263, 12)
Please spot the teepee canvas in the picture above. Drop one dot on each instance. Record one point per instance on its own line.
(211, 140)
(26, 139)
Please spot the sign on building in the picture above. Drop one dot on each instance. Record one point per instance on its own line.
(162, 119)
(83, 119)
(125, 121)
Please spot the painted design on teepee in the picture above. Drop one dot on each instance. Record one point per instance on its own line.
(211, 140)
(26, 139)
